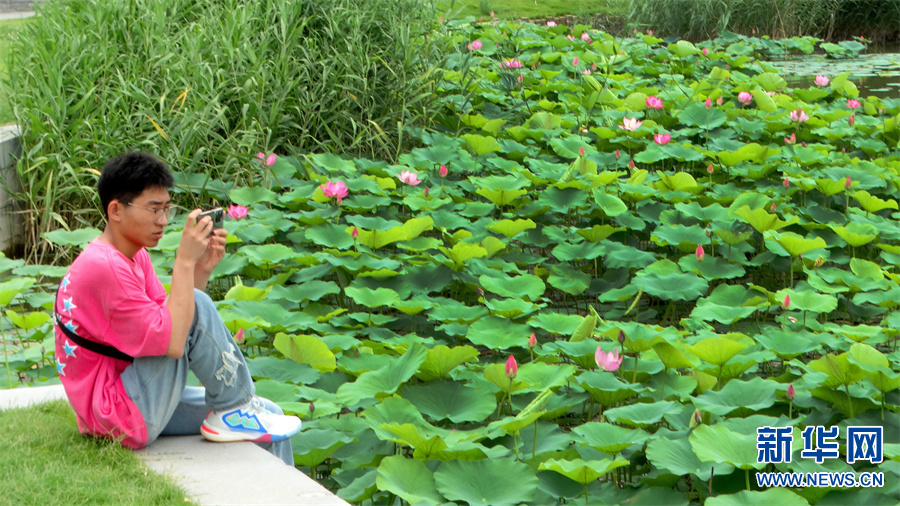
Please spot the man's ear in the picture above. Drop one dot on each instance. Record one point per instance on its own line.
(114, 211)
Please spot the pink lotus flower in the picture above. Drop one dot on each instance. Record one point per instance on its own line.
(786, 303)
(268, 161)
(791, 140)
(822, 81)
(700, 253)
(335, 189)
(654, 102)
(512, 368)
(791, 393)
(662, 139)
(705, 52)
(649, 32)
(570, 38)
(408, 177)
(236, 212)
(630, 124)
(513, 64)
(708, 102)
(532, 341)
(799, 116)
(745, 97)
(853, 104)
(475, 45)
(608, 361)
(586, 72)
(443, 171)
(585, 37)
(551, 24)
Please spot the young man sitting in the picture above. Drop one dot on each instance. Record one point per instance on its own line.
(124, 348)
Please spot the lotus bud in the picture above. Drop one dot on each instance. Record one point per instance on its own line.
(618, 154)
(575, 61)
(239, 335)
(312, 408)
(705, 52)
(512, 368)
(786, 182)
(848, 183)
(696, 419)
(791, 393)
(786, 303)
(354, 233)
(631, 164)
(851, 120)
(709, 168)
(773, 207)
(700, 253)
(708, 102)
(532, 341)
(803, 144)
(708, 232)
(443, 171)
(480, 291)
(719, 101)
(621, 337)
(581, 151)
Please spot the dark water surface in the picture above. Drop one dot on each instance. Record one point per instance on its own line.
(875, 74)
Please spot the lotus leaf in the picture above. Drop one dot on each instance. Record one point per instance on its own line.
(717, 443)
(488, 482)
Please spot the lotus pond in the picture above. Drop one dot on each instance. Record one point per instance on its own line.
(731, 236)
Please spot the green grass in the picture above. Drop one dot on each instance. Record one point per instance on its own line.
(8, 29)
(44, 460)
(515, 9)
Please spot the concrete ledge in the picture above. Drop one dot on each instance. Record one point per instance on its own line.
(211, 473)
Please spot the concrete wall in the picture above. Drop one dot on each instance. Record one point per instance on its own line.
(12, 230)
(18, 5)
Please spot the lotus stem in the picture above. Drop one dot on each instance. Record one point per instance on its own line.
(747, 478)
(634, 374)
(534, 444)
(662, 393)
(849, 400)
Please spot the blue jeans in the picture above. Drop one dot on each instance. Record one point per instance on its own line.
(157, 385)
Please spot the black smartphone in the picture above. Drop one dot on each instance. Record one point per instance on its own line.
(217, 216)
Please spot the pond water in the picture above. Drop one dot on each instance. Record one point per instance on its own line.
(875, 74)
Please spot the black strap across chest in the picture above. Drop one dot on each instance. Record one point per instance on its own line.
(94, 346)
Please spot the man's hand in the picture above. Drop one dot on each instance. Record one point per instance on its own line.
(215, 251)
(194, 241)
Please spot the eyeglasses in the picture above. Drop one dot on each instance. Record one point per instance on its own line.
(168, 210)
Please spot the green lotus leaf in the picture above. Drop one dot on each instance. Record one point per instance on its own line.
(679, 181)
(716, 443)
(544, 121)
(280, 369)
(873, 204)
(778, 496)
(671, 356)
(408, 479)
(866, 269)
(385, 381)
(488, 482)
(451, 401)
(829, 186)
(268, 254)
(794, 244)
(788, 345)
(77, 237)
(512, 424)
(526, 285)
(744, 396)
(425, 443)
(731, 238)
(568, 279)
(481, 145)
(457, 313)
(597, 233)
(651, 154)
(566, 252)
(250, 195)
(561, 200)
(510, 308)
(762, 220)
(621, 256)
(808, 300)
(685, 153)
(27, 321)
(717, 350)
(840, 371)
(681, 286)
(643, 414)
(606, 388)
(569, 147)
(697, 115)
(441, 359)
(868, 358)
(408, 231)
(586, 328)
(511, 228)
(751, 152)
(770, 81)
(461, 252)
(676, 235)
(582, 471)
(857, 234)
(498, 333)
(411, 306)
(372, 298)
(677, 457)
(330, 236)
(540, 376)
(763, 101)
(305, 349)
(609, 204)
(609, 438)
(312, 451)
(556, 323)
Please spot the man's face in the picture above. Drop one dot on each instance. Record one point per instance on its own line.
(145, 217)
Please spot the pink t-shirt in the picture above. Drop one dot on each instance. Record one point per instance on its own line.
(107, 298)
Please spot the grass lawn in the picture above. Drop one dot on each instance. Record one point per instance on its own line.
(514, 9)
(8, 29)
(44, 460)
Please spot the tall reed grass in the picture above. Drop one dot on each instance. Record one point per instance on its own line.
(206, 85)
(704, 19)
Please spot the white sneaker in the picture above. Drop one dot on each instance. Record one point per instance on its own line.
(250, 422)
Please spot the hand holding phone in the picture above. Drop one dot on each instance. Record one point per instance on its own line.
(217, 216)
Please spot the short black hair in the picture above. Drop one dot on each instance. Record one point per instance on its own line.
(126, 176)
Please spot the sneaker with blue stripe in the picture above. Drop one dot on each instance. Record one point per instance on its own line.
(250, 422)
